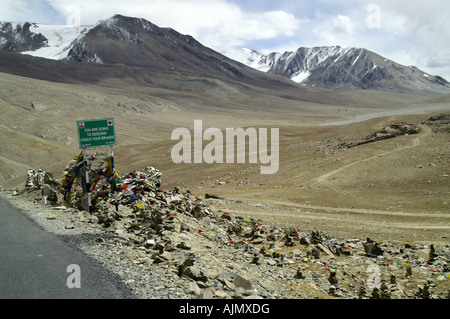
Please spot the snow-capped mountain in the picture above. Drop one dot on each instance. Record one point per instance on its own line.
(138, 42)
(253, 58)
(117, 40)
(340, 68)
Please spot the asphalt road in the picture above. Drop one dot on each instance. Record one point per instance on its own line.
(35, 263)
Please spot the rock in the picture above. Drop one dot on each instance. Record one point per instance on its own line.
(212, 273)
(207, 293)
(256, 259)
(313, 252)
(69, 225)
(194, 288)
(332, 279)
(126, 253)
(136, 239)
(92, 219)
(296, 253)
(242, 282)
(184, 245)
(271, 262)
(52, 196)
(150, 243)
(226, 275)
(362, 293)
(165, 257)
(212, 196)
(326, 250)
(432, 254)
(229, 285)
(305, 240)
(222, 294)
(424, 291)
(197, 211)
(375, 294)
(371, 247)
(196, 273)
(408, 271)
(299, 274)
(384, 291)
(334, 291)
(316, 237)
(393, 279)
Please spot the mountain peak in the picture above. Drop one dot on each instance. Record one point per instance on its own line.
(17, 37)
(338, 68)
(138, 42)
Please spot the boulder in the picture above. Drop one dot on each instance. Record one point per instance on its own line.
(373, 248)
(196, 272)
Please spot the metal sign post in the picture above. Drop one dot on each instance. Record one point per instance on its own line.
(86, 176)
(115, 186)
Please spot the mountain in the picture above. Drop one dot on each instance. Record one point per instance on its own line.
(338, 68)
(136, 42)
(118, 40)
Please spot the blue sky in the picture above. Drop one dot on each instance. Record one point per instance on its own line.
(414, 32)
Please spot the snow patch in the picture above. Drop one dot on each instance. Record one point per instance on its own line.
(249, 57)
(299, 77)
(60, 38)
(356, 59)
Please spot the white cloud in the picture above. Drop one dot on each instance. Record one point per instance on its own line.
(216, 23)
(422, 32)
(342, 24)
(236, 29)
(23, 10)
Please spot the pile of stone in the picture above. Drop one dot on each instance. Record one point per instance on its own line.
(40, 180)
(439, 123)
(390, 131)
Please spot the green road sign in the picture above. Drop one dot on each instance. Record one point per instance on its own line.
(95, 133)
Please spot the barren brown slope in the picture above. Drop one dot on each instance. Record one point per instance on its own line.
(41, 102)
(394, 189)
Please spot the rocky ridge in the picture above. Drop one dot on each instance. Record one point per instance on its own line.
(136, 42)
(337, 68)
(172, 244)
(17, 37)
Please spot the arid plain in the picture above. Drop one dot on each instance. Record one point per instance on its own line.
(392, 189)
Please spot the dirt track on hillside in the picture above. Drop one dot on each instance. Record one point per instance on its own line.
(395, 189)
